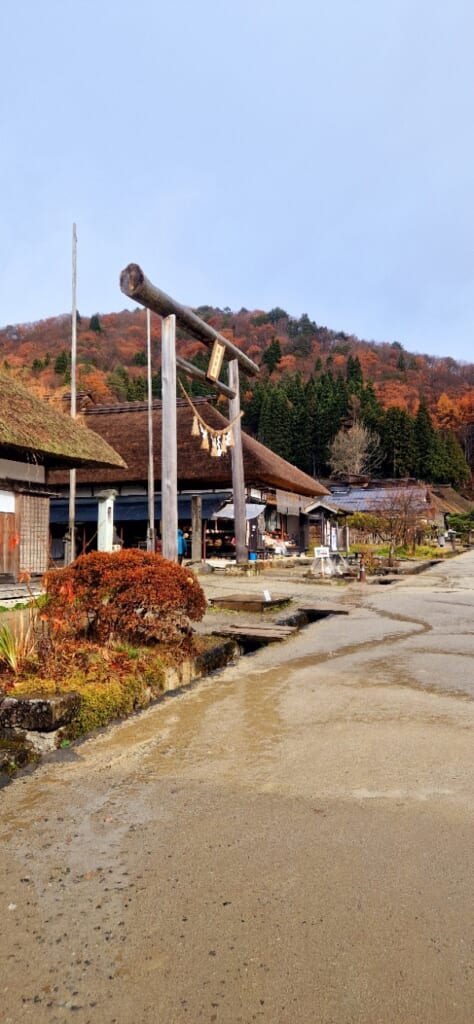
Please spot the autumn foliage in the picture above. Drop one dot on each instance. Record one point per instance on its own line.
(129, 595)
(314, 381)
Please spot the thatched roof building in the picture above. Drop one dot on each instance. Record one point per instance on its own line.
(447, 501)
(35, 438)
(29, 425)
(125, 428)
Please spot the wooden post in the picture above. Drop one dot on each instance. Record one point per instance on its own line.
(150, 537)
(238, 481)
(196, 525)
(197, 374)
(136, 286)
(169, 444)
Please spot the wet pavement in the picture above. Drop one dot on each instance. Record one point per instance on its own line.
(289, 840)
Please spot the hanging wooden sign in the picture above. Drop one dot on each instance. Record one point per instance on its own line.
(215, 361)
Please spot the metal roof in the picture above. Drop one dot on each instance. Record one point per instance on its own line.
(374, 499)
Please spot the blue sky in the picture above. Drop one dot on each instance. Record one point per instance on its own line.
(312, 155)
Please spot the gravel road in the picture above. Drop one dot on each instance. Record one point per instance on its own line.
(288, 840)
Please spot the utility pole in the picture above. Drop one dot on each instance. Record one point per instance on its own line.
(70, 548)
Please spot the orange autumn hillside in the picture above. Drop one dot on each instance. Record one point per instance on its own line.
(111, 358)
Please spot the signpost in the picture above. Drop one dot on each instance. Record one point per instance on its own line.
(215, 362)
(321, 552)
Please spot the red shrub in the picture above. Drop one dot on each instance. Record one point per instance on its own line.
(131, 595)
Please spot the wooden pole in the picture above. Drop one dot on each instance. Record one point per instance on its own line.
(169, 444)
(70, 549)
(196, 524)
(150, 537)
(238, 481)
(136, 286)
(197, 374)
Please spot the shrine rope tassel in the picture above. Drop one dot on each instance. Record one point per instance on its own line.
(216, 441)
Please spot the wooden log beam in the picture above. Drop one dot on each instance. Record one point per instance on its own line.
(136, 286)
(197, 374)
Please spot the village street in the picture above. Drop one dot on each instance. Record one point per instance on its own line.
(288, 841)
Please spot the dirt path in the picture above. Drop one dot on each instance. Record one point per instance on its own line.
(288, 841)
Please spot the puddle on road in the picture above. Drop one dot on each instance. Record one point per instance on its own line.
(221, 718)
(241, 708)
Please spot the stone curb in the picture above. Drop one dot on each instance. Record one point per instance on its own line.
(31, 727)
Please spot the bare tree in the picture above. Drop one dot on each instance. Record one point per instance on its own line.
(354, 451)
(402, 514)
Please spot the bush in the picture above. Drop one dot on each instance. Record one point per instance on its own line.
(131, 595)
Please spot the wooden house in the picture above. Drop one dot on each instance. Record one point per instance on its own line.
(278, 488)
(34, 439)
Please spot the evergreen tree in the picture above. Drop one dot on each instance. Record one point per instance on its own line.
(300, 423)
(430, 462)
(398, 443)
(327, 418)
(119, 383)
(275, 423)
(292, 385)
(354, 375)
(252, 407)
(277, 314)
(457, 469)
(136, 389)
(61, 363)
(95, 324)
(371, 410)
(306, 326)
(440, 470)
(341, 398)
(272, 355)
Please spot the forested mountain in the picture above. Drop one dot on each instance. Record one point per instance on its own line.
(314, 383)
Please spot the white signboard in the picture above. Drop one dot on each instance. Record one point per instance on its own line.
(322, 552)
(7, 501)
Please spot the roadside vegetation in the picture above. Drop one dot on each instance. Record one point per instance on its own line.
(107, 627)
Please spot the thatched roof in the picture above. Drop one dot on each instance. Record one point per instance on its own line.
(31, 426)
(126, 429)
(448, 501)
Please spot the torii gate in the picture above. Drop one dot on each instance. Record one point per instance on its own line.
(136, 286)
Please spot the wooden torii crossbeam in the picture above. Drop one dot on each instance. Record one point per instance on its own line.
(136, 286)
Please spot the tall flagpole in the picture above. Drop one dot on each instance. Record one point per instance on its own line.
(72, 474)
(150, 539)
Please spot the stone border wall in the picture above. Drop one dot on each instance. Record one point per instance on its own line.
(31, 727)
